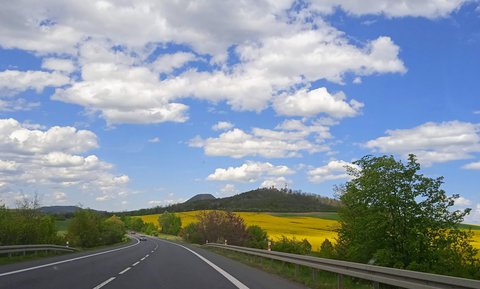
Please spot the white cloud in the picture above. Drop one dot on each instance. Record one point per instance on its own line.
(277, 51)
(51, 159)
(472, 166)
(58, 64)
(168, 62)
(461, 201)
(223, 125)
(228, 190)
(59, 197)
(288, 140)
(431, 142)
(249, 172)
(122, 94)
(334, 170)
(18, 104)
(391, 8)
(15, 81)
(279, 182)
(310, 103)
(154, 140)
(474, 216)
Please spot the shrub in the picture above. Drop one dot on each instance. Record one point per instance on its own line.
(191, 233)
(292, 245)
(256, 237)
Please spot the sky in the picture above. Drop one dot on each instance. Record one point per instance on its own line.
(120, 105)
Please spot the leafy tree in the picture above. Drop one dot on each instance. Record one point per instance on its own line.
(113, 230)
(84, 229)
(394, 216)
(26, 224)
(217, 226)
(170, 223)
(294, 246)
(327, 250)
(191, 233)
(256, 237)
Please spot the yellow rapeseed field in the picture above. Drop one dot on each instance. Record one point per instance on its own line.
(313, 228)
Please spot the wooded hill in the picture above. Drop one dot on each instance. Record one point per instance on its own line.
(259, 200)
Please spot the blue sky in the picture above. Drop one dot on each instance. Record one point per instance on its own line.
(120, 106)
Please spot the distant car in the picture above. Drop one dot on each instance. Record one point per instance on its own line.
(142, 238)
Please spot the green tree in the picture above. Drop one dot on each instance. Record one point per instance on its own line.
(112, 230)
(217, 226)
(84, 229)
(394, 216)
(169, 223)
(327, 250)
(256, 237)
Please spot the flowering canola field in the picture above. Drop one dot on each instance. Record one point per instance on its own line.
(315, 227)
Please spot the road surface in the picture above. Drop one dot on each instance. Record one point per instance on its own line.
(152, 264)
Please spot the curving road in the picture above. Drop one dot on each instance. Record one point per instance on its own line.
(154, 263)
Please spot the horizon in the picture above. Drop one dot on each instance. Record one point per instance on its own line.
(122, 106)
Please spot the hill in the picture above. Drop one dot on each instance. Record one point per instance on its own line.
(59, 209)
(201, 197)
(259, 200)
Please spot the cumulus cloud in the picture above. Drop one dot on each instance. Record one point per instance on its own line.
(334, 170)
(432, 142)
(310, 103)
(223, 125)
(228, 190)
(472, 166)
(249, 172)
(289, 139)
(272, 51)
(461, 201)
(168, 62)
(58, 64)
(391, 8)
(15, 81)
(279, 182)
(53, 159)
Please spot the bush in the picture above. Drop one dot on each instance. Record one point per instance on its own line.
(191, 233)
(327, 249)
(292, 245)
(256, 237)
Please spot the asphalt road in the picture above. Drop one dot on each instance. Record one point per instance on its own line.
(153, 263)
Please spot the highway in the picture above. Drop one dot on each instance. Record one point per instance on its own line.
(154, 263)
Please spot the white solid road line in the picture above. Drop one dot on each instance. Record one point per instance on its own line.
(104, 283)
(135, 264)
(142, 259)
(128, 268)
(66, 261)
(229, 277)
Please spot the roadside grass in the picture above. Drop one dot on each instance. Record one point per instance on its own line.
(29, 256)
(169, 237)
(301, 274)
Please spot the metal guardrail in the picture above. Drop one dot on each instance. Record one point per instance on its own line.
(34, 248)
(376, 274)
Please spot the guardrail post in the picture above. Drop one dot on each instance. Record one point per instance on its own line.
(376, 285)
(339, 281)
(314, 275)
(296, 270)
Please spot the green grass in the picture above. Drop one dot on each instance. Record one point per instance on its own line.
(169, 237)
(469, 226)
(29, 256)
(307, 276)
